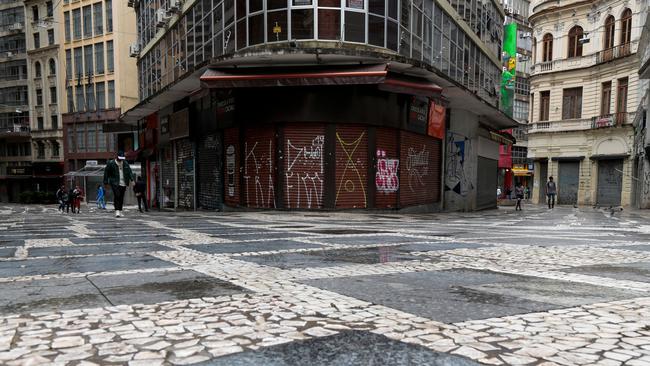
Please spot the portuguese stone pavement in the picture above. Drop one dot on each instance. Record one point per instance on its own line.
(538, 287)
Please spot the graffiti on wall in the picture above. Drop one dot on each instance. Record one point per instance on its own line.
(646, 184)
(457, 174)
(417, 167)
(351, 180)
(386, 178)
(230, 170)
(258, 171)
(304, 174)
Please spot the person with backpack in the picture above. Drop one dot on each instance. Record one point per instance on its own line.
(69, 202)
(61, 197)
(551, 192)
(519, 195)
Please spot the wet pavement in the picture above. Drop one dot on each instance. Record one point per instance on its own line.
(539, 287)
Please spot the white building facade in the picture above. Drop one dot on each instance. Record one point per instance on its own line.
(582, 100)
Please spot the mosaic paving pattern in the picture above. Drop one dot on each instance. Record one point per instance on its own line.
(567, 287)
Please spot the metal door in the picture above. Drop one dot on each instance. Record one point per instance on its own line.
(259, 167)
(610, 182)
(210, 168)
(487, 183)
(304, 173)
(185, 173)
(351, 167)
(420, 156)
(543, 177)
(568, 182)
(167, 177)
(387, 168)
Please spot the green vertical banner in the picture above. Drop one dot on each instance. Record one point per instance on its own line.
(509, 60)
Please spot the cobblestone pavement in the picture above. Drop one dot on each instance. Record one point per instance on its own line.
(562, 287)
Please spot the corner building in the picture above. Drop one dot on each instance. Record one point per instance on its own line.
(330, 104)
(582, 114)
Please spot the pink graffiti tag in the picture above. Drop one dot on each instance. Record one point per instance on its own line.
(386, 178)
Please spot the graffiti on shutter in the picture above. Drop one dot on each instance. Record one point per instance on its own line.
(231, 174)
(259, 172)
(185, 173)
(210, 167)
(351, 167)
(387, 170)
(304, 170)
(420, 175)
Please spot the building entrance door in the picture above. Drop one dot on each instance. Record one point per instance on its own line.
(568, 182)
(610, 182)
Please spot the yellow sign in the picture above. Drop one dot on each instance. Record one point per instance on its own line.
(277, 29)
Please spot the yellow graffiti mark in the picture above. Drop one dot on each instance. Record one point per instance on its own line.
(352, 165)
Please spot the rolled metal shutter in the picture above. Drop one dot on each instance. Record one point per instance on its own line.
(210, 168)
(167, 174)
(387, 168)
(610, 182)
(420, 158)
(486, 180)
(568, 182)
(185, 173)
(304, 174)
(351, 167)
(259, 170)
(231, 166)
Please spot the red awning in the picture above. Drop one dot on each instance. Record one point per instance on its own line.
(374, 75)
(256, 78)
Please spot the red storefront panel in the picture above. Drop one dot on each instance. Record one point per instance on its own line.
(351, 167)
(387, 169)
(304, 178)
(259, 167)
(420, 158)
(231, 166)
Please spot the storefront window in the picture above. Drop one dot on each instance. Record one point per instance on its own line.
(302, 23)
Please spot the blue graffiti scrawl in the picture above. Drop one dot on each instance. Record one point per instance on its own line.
(456, 180)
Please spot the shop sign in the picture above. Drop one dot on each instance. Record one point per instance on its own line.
(437, 116)
(23, 170)
(418, 114)
(164, 125)
(605, 121)
(179, 125)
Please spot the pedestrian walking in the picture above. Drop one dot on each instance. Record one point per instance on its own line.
(118, 175)
(61, 197)
(551, 192)
(101, 201)
(69, 203)
(140, 190)
(78, 197)
(519, 195)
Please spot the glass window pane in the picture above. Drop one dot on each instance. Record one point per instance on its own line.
(376, 30)
(391, 36)
(377, 7)
(329, 24)
(88, 23)
(355, 26)
(256, 29)
(329, 3)
(99, 58)
(277, 28)
(277, 4)
(302, 24)
(99, 21)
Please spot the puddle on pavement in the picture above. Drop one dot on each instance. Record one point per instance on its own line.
(186, 289)
(476, 296)
(55, 303)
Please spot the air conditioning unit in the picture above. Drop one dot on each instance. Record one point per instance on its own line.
(134, 50)
(161, 18)
(584, 39)
(16, 26)
(10, 54)
(175, 5)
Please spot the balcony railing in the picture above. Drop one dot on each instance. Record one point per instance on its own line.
(614, 53)
(15, 130)
(610, 120)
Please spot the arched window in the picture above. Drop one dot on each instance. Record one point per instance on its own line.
(547, 47)
(575, 47)
(610, 24)
(37, 69)
(626, 26)
(52, 64)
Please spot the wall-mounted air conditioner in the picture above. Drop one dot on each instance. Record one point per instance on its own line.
(134, 50)
(161, 18)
